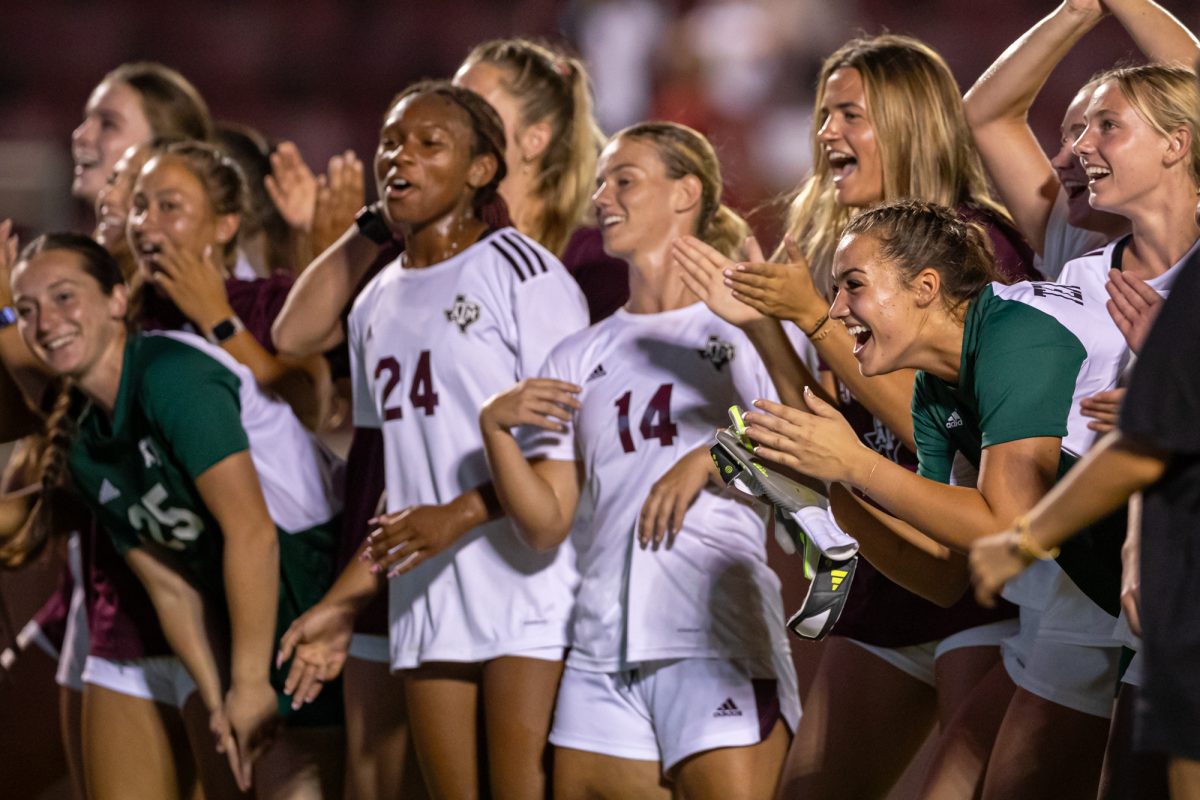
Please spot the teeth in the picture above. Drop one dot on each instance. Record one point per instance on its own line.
(855, 330)
(57, 342)
(611, 219)
(838, 160)
(1097, 172)
(400, 183)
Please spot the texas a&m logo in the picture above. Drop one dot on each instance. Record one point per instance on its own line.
(463, 313)
(717, 352)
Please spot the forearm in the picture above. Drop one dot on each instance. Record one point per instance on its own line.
(952, 516)
(302, 383)
(787, 371)
(310, 321)
(887, 397)
(1006, 90)
(251, 570)
(1158, 34)
(899, 551)
(1106, 477)
(528, 499)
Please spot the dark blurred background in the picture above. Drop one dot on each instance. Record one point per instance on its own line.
(321, 72)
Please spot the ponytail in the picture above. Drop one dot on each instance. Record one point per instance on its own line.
(726, 231)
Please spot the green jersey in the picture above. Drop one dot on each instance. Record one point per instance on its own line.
(182, 407)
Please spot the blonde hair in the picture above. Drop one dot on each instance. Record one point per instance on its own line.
(552, 87)
(925, 146)
(1166, 97)
(686, 152)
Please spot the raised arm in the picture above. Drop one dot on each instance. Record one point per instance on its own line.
(1161, 37)
(997, 109)
(540, 497)
(310, 321)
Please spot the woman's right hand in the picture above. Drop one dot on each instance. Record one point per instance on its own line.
(319, 639)
(782, 291)
(703, 270)
(545, 403)
(251, 713)
(292, 186)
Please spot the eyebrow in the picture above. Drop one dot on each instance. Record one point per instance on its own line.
(839, 276)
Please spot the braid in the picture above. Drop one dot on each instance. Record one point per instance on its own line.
(43, 517)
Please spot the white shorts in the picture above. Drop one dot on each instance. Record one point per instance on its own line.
(668, 710)
(161, 679)
(76, 640)
(918, 660)
(1077, 676)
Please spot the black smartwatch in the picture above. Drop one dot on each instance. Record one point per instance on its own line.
(371, 224)
(225, 330)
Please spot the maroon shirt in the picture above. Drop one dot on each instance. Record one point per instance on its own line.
(603, 279)
(879, 611)
(121, 620)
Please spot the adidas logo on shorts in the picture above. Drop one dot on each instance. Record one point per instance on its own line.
(727, 709)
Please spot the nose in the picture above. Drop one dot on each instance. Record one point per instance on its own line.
(829, 130)
(1064, 159)
(602, 196)
(1086, 143)
(840, 308)
(85, 132)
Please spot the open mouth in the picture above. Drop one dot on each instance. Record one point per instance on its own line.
(862, 335)
(1097, 173)
(841, 164)
(58, 342)
(609, 220)
(397, 187)
(148, 253)
(1074, 188)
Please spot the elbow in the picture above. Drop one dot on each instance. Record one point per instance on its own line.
(543, 538)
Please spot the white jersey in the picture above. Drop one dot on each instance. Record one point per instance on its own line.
(427, 348)
(300, 478)
(655, 387)
(1064, 241)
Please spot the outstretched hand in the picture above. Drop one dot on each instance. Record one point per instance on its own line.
(782, 291)
(1133, 305)
(339, 197)
(292, 186)
(703, 269)
(318, 643)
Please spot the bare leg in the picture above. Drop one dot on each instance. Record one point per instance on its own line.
(1185, 779)
(967, 738)
(734, 773)
(380, 760)
(858, 704)
(1045, 750)
(1130, 775)
(148, 759)
(580, 775)
(302, 764)
(443, 710)
(518, 701)
(70, 718)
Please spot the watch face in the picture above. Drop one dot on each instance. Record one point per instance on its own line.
(223, 330)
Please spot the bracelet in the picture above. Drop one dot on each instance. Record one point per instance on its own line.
(820, 324)
(825, 331)
(1028, 546)
(866, 489)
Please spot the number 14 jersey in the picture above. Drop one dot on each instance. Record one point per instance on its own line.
(656, 387)
(427, 347)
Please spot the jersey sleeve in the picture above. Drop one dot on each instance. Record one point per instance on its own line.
(537, 443)
(366, 415)
(194, 403)
(1163, 402)
(547, 306)
(1024, 376)
(935, 450)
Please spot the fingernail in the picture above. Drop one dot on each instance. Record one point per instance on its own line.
(374, 569)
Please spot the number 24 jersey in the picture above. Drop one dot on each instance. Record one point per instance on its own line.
(428, 346)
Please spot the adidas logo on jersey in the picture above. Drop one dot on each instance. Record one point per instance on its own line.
(955, 421)
(463, 313)
(108, 492)
(598, 372)
(717, 352)
(728, 709)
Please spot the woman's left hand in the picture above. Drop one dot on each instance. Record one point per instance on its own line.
(702, 270)
(195, 284)
(8, 260)
(994, 561)
(405, 539)
(782, 291)
(1104, 408)
(818, 442)
(669, 499)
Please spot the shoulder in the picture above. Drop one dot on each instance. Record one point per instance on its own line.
(516, 257)
(368, 297)
(578, 347)
(175, 362)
